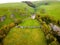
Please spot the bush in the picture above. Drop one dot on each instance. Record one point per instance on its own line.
(45, 28)
(6, 29)
(11, 25)
(2, 35)
(17, 21)
(58, 22)
(48, 19)
(38, 16)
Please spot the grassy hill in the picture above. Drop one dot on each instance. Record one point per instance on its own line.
(52, 9)
(25, 36)
(19, 10)
(31, 22)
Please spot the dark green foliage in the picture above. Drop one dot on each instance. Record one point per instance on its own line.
(58, 22)
(14, 14)
(48, 19)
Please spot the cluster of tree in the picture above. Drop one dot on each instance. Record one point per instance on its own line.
(48, 19)
(6, 28)
(43, 24)
(45, 27)
(50, 34)
(4, 31)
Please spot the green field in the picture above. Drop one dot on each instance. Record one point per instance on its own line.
(52, 9)
(21, 11)
(18, 36)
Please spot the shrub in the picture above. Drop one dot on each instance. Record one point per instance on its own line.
(58, 22)
(17, 21)
(45, 28)
(48, 19)
(2, 35)
(6, 29)
(38, 16)
(11, 25)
